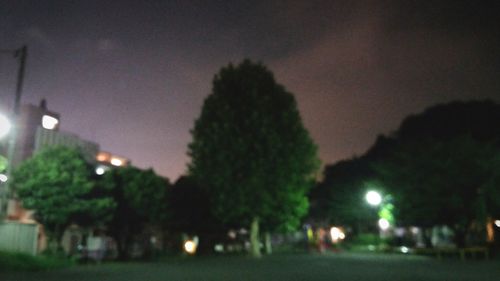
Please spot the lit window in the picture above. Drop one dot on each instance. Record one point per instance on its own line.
(49, 122)
(102, 157)
(116, 162)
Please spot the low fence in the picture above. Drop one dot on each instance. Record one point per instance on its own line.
(19, 237)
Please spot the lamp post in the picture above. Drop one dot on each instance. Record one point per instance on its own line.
(384, 208)
(21, 55)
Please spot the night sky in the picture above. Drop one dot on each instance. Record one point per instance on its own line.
(132, 75)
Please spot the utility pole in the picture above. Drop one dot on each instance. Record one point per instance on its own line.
(21, 54)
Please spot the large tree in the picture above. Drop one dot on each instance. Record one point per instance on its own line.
(251, 151)
(451, 182)
(442, 165)
(140, 197)
(56, 183)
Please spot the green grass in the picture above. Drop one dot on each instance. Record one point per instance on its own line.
(23, 262)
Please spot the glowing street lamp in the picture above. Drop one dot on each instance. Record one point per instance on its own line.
(5, 126)
(373, 198)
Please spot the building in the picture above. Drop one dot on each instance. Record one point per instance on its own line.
(31, 117)
(39, 128)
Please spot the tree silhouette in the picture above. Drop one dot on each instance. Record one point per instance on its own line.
(251, 152)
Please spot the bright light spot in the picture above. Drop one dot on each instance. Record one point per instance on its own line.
(404, 250)
(3, 178)
(100, 170)
(497, 223)
(231, 234)
(383, 224)
(190, 247)
(49, 122)
(336, 234)
(4, 126)
(373, 198)
(116, 162)
(219, 248)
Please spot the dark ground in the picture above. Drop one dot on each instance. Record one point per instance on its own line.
(342, 267)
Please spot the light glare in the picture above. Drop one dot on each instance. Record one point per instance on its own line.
(190, 247)
(3, 178)
(99, 170)
(373, 198)
(116, 162)
(497, 223)
(49, 122)
(336, 234)
(5, 126)
(383, 224)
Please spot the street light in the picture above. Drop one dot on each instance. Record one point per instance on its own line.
(20, 54)
(373, 198)
(5, 126)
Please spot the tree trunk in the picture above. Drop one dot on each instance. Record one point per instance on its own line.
(122, 246)
(267, 243)
(254, 238)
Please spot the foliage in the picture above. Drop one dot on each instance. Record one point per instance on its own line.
(55, 183)
(24, 262)
(140, 198)
(251, 151)
(441, 182)
(190, 213)
(339, 198)
(439, 166)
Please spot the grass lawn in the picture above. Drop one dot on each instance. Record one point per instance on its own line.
(342, 267)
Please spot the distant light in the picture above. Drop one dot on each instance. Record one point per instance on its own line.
(49, 122)
(497, 223)
(190, 247)
(100, 170)
(383, 224)
(219, 248)
(116, 162)
(414, 230)
(3, 178)
(102, 156)
(373, 198)
(404, 250)
(336, 234)
(5, 126)
(231, 234)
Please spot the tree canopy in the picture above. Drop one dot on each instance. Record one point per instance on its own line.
(141, 199)
(339, 198)
(440, 167)
(56, 183)
(251, 151)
